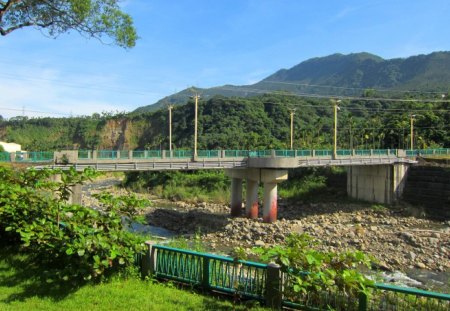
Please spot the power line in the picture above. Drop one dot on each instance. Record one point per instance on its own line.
(335, 96)
(347, 88)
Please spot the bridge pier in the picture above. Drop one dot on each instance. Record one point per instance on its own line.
(251, 199)
(269, 177)
(377, 183)
(236, 197)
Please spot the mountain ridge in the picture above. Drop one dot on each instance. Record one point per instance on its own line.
(338, 75)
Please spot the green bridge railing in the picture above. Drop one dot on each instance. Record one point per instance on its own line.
(48, 156)
(266, 283)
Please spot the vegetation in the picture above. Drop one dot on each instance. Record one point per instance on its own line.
(91, 18)
(191, 186)
(78, 243)
(261, 122)
(314, 276)
(24, 286)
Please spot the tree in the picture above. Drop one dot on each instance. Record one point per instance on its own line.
(91, 18)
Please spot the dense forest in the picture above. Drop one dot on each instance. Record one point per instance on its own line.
(261, 122)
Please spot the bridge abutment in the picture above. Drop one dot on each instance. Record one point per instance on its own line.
(377, 183)
(269, 177)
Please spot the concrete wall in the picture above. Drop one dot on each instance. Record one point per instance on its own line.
(376, 183)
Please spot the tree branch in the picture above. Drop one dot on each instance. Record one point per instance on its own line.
(6, 31)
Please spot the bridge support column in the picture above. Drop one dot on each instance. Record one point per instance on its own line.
(236, 197)
(254, 176)
(251, 202)
(270, 202)
(377, 183)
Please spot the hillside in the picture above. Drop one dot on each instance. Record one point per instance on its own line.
(339, 75)
(259, 122)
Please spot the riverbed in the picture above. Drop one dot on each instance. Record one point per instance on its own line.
(409, 251)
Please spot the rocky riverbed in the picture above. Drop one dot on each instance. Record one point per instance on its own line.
(396, 239)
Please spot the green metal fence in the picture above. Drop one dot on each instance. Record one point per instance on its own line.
(34, 156)
(5, 157)
(427, 152)
(260, 153)
(303, 153)
(83, 154)
(208, 153)
(107, 154)
(236, 153)
(251, 280)
(323, 153)
(285, 153)
(211, 271)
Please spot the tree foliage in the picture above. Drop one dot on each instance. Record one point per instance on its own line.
(91, 18)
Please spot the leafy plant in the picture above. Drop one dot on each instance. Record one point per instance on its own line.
(81, 242)
(313, 275)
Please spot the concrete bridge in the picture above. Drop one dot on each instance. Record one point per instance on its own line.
(372, 175)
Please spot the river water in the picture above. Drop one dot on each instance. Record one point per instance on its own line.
(418, 278)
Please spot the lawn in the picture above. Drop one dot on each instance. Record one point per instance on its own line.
(24, 286)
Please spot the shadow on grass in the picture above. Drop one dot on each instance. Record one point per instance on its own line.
(28, 277)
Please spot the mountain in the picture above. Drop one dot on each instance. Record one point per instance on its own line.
(339, 75)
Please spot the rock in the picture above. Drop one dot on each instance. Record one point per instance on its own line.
(420, 265)
(260, 243)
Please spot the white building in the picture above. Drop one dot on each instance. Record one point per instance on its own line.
(10, 147)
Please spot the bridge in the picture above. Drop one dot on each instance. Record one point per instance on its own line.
(376, 175)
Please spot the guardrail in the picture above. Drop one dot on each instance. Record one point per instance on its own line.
(100, 155)
(266, 283)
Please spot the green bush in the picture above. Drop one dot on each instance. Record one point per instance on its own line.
(81, 242)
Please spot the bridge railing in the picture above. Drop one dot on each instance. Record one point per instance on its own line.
(425, 152)
(256, 281)
(5, 157)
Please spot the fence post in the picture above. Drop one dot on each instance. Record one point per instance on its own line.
(362, 305)
(205, 273)
(149, 260)
(273, 297)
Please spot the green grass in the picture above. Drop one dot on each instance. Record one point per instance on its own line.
(23, 286)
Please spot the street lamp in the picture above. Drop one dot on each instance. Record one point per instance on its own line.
(292, 127)
(412, 118)
(335, 108)
(170, 130)
(196, 97)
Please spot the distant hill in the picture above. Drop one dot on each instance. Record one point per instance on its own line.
(338, 74)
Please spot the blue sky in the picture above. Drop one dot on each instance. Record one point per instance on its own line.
(205, 43)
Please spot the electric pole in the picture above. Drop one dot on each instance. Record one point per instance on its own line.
(336, 108)
(412, 130)
(292, 112)
(196, 97)
(170, 130)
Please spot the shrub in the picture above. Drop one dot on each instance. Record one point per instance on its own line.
(79, 241)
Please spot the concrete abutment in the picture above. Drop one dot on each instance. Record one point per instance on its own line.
(377, 183)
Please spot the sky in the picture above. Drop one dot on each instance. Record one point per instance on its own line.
(204, 43)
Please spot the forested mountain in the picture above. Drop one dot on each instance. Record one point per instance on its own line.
(340, 75)
(260, 122)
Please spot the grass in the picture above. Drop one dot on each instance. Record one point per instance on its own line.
(23, 286)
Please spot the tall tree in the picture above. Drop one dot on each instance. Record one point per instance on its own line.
(91, 18)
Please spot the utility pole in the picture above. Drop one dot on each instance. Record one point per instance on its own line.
(412, 130)
(335, 108)
(292, 112)
(170, 130)
(196, 97)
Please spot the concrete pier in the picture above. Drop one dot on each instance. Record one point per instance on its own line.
(251, 200)
(236, 197)
(377, 183)
(270, 202)
(269, 177)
